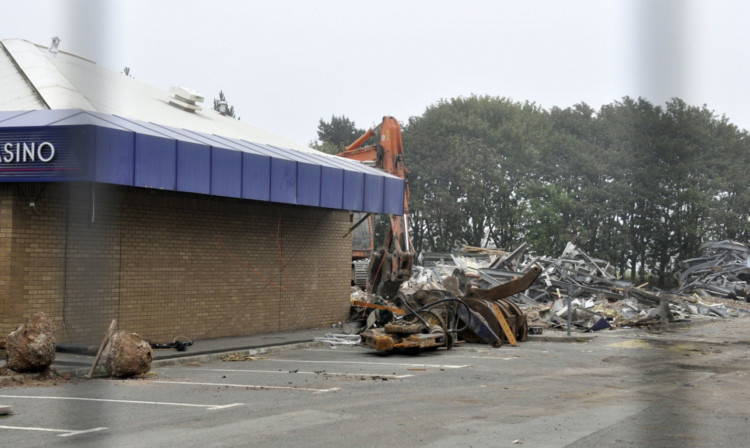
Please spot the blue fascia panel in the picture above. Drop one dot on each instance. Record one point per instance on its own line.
(283, 181)
(308, 184)
(88, 118)
(354, 187)
(300, 156)
(331, 188)
(374, 194)
(139, 127)
(115, 156)
(256, 177)
(226, 172)
(46, 154)
(34, 119)
(170, 132)
(155, 162)
(98, 147)
(193, 168)
(258, 148)
(394, 192)
(6, 115)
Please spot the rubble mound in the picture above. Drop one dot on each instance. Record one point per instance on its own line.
(31, 347)
(127, 354)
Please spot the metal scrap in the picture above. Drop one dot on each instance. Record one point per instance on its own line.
(723, 271)
(492, 289)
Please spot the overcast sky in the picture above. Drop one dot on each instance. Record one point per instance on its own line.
(285, 64)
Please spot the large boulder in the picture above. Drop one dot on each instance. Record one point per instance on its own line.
(31, 347)
(127, 354)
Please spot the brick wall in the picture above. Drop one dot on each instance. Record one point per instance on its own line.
(167, 264)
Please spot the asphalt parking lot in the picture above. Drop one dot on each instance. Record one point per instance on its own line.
(680, 388)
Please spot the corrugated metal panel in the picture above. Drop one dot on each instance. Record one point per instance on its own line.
(256, 177)
(308, 184)
(67, 81)
(226, 172)
(40, 68)
(115, 156)
(393, 197)
(354, 187)
(373, 193)
(18, 94)
(283, 181)
(193, 168)
(155, 162)
(332, 188)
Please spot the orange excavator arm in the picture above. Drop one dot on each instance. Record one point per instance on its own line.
(390, 265)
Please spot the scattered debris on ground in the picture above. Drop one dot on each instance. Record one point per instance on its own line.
(48, 377)
(533, 293)
(240, 357)
(127, 354)
(340, 339)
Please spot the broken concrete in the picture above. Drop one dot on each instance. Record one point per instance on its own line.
(127, 354)
(31, 347)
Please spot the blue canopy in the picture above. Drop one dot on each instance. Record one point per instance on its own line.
(78, 145)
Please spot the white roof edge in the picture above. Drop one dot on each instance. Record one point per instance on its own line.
(54, 88)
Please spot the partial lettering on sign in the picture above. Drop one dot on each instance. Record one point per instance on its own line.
(27, 152)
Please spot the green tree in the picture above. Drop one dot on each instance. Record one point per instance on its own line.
(222, 100)
(336, 134)
(639, 185)
(469, 160)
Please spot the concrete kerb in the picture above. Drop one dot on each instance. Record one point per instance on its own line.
(213, 356)
(183, 358)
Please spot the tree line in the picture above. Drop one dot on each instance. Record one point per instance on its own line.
(637, 184)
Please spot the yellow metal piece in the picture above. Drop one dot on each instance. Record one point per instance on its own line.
(504, 325)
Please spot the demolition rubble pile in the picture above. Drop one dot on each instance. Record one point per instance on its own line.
(539, 290)
(599, 300)
(437, 314)
(723, 271)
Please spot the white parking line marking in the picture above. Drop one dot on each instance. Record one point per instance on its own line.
(209, 407)
(250, 386)
(65, 432)
(75, 433)
(301, 372)
(437, 366)
(216, 408)
(495, 357)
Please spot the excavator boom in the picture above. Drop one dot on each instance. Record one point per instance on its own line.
(391, 264)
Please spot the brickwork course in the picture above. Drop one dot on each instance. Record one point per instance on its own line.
(167, 265)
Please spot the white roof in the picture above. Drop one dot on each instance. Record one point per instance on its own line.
(32, 77)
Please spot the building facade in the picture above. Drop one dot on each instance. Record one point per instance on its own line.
(167, 264)
(176, 222)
